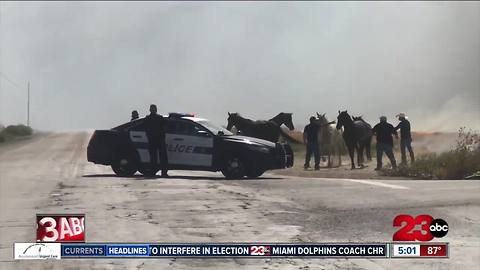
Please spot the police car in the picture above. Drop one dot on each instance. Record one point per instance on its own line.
(192, 144)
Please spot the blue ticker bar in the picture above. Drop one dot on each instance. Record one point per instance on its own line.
(110, 250)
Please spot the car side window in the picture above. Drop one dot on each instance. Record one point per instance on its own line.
(186, 128)
(199, 131)
(178, 127)
(137, 126)
(171, 127)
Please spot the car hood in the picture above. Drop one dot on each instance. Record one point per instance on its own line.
(248, 140)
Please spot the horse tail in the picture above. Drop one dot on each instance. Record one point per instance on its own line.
(288, 137)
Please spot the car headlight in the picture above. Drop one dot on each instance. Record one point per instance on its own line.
(262, 149)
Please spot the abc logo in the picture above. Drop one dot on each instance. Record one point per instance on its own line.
(438, 228)
(419, 228)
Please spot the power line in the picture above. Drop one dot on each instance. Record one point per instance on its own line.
(10, 80)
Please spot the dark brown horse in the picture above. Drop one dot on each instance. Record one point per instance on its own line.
(368, 146)
(267, 130)
(356, 134)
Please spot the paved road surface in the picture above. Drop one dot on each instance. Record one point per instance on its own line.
(51, 175)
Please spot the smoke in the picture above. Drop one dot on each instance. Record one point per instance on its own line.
(91, 63)
(455, 113)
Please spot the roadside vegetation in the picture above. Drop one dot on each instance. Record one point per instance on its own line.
(14, 132)
(459, 163)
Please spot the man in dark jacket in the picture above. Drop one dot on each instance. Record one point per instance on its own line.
(405, 138)
(155, 128)
(310, 138)
(134, 115)
(384, 132)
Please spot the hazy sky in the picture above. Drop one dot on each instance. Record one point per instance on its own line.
(90, 64)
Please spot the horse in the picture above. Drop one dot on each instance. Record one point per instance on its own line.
(368, 146)
(356, 135)
(266, 130)
(325, 137)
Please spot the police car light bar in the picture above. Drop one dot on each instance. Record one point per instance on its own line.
(178, 115)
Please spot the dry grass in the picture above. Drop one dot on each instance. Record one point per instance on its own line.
(459, 163)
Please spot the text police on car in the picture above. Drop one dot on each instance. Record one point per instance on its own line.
(192, 144)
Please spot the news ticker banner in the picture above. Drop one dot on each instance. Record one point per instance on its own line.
(204, 250)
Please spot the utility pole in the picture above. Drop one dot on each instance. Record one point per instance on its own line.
(28, 104)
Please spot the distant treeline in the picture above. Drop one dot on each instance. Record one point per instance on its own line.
(14, 131)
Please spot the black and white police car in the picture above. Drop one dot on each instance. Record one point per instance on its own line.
(192, 144)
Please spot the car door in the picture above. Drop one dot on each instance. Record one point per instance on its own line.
(189, 144)
(139, 139)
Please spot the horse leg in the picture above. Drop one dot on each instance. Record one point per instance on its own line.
(368, 149)
(351, 152)
(360, 154)
(329, 155)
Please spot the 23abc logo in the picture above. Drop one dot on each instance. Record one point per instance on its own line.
(429, 228)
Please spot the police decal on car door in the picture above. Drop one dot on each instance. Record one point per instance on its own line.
(188, 144)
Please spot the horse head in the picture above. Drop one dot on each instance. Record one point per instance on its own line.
(232, 120)
(342, 119)
(283, 119)
(287, 120)
(321, 119)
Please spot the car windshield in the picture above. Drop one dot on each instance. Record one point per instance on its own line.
(213, 128)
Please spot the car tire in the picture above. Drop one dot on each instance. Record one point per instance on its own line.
(124, 166)
(147, 170)
(254, 172)
(234, 168)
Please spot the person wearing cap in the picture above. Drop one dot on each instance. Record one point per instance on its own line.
(384, 132)
(405, 138)
(135, 115)
(310, 139)
(155, 129)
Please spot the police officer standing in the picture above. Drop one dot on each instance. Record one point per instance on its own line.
(384, 132)
(405, 138)
(155, 128)
(134, 115)
(310, 139)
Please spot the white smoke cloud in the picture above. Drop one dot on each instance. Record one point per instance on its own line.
(455, 113)
(91, 63)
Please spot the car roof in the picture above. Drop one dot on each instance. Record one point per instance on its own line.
(194, 119)
(128, 125)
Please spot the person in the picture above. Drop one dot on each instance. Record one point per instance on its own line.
(310, 139)
(384, 132)
(155, 129)
(405, 138)
(134, 115)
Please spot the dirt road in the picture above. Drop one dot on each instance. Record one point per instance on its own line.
(51, 175)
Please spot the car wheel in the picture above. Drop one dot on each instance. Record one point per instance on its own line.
(254, 172)
(148, 170)
(124, 166)
(234, 168)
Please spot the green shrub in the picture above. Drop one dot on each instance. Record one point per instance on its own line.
(14, 131)
(458, 163)
(18, 130)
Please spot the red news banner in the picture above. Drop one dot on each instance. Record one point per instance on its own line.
(61, 228)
